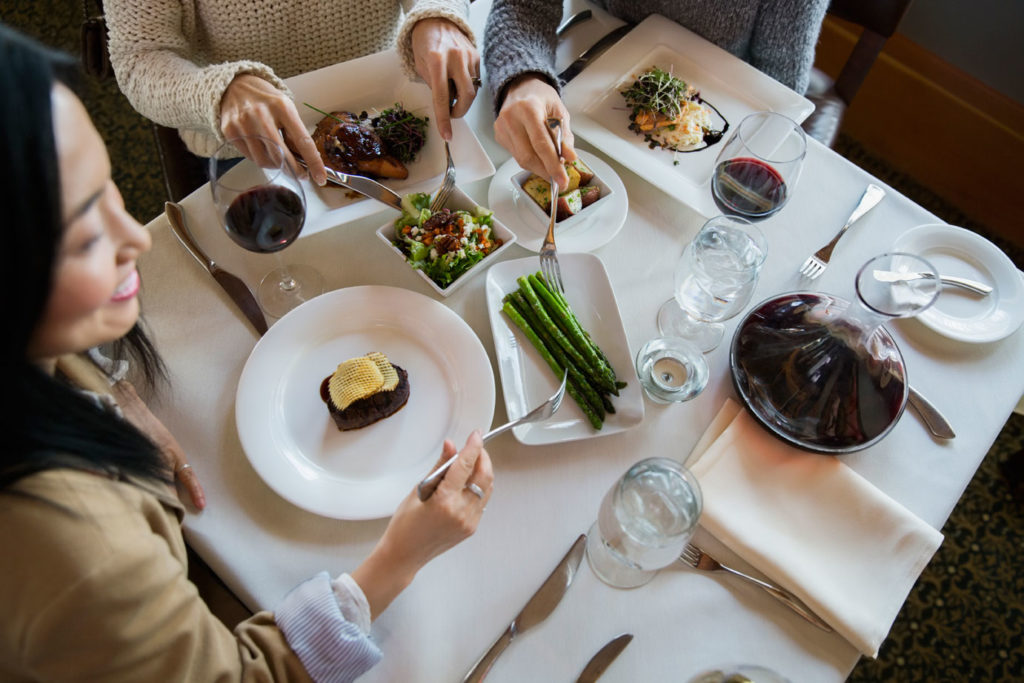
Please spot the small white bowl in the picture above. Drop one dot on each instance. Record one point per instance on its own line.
(458, 200)
(542, 218)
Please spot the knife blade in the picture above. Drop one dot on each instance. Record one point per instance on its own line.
(536, 609)
(365, 186)
(232, 284)
(604, 657)
(971, 285)
(593, 52)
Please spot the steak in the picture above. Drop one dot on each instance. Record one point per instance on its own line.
(368, 410)
(349, 145)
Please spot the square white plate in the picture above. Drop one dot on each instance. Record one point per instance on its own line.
(541, 218)
(527, 381)
(374, 83)
(458, 200)
(733, 87)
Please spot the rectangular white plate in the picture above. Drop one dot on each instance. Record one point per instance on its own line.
(527, 381)
(458, 200)
(371, 84)
(600, 115)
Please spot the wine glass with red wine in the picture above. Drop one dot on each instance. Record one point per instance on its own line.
(758, 168)
(263, 209)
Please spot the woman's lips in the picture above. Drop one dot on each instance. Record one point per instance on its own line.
(128, 288)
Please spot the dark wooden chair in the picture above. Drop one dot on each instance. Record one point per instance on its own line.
(183, 171)
(879, 19)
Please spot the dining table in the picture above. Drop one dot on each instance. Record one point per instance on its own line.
(545, 496)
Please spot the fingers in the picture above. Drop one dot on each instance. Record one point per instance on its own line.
(187, 476)
(301, 142)
(447, 451)
(439, 97)
(443, 53)
(521, 127)
(464, 466)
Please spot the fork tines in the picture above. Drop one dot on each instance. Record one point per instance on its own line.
(812, 267)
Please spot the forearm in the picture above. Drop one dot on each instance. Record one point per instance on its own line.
(382, 578)
(520, 38)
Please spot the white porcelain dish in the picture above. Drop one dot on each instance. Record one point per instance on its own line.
(600, 115)
(527, 381)
(374, 83)
(591, 229)
(959, 314)
(291, 440)
(458, 200)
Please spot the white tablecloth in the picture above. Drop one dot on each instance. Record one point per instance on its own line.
(545, 496)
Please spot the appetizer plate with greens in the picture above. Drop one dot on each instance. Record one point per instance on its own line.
(527, 379)
(446, 248)
(373, 84)
(733, 88)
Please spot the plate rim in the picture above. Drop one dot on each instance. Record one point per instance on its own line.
(482, 380)
(992, 256)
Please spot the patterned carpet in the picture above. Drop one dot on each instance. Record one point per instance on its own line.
(965, 618)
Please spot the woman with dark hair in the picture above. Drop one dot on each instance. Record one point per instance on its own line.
(94, 584)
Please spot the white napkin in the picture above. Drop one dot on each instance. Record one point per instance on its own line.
(811, 524)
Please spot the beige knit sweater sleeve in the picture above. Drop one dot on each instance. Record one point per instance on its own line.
(174, 59)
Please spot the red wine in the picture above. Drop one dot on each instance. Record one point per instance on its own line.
(265, 219)
(806, 372)
(748, 187)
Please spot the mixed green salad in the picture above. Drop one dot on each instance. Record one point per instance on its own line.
(443, 244)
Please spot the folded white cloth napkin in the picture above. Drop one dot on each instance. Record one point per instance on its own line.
(811, 524)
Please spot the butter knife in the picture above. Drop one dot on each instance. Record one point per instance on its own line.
(232, 284)
(536, 610)
(962, 282)
(604, 657)
(365, 186)
(593, 52)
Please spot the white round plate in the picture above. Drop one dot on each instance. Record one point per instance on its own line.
(587, 235)
(290, 438)
(959, 314)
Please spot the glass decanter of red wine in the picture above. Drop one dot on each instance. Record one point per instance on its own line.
(757, 170)
(263, 209)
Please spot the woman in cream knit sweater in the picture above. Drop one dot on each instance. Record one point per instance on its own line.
(213, 68)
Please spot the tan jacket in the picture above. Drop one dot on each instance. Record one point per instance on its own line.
(94, 588)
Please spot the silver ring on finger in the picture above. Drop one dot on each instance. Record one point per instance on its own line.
(475, 490)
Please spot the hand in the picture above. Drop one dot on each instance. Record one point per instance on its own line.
(419, 531)
(441, 51)
(521, 128)
(136, 412)
(252, 106)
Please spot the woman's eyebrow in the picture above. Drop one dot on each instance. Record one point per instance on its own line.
(85, 206)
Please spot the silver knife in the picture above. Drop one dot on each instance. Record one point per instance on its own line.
(964, 283)
(361, 184)
(593, 52)
(604, 657)
(930, 415)
(236, 289)
(536, 610)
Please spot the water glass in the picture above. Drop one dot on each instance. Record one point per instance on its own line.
(714, 280)
(671, 370)
(645, 521)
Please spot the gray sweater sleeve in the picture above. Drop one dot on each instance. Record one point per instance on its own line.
(520, 38)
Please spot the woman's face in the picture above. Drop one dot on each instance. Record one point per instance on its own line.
(95, 287)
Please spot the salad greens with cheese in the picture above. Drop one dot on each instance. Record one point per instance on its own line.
(446, 243)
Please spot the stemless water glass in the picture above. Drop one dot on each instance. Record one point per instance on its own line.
(714, 280)
(644, 522)
(758, 168)
(263, 209)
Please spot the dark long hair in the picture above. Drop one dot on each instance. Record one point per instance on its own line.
(47, 423)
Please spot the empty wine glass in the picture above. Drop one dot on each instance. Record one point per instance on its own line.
(263, 209)
(714, 280)
(758, 168)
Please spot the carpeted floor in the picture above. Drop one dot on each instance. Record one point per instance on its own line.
(965, 618)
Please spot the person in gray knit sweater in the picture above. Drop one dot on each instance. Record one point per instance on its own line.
(775, 36)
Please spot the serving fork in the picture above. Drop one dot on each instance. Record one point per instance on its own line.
(548, 254)
(448, 183)
(426, 488)
(696, 558)
(817, 262)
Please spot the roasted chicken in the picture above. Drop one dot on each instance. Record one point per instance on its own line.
(349, 145)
